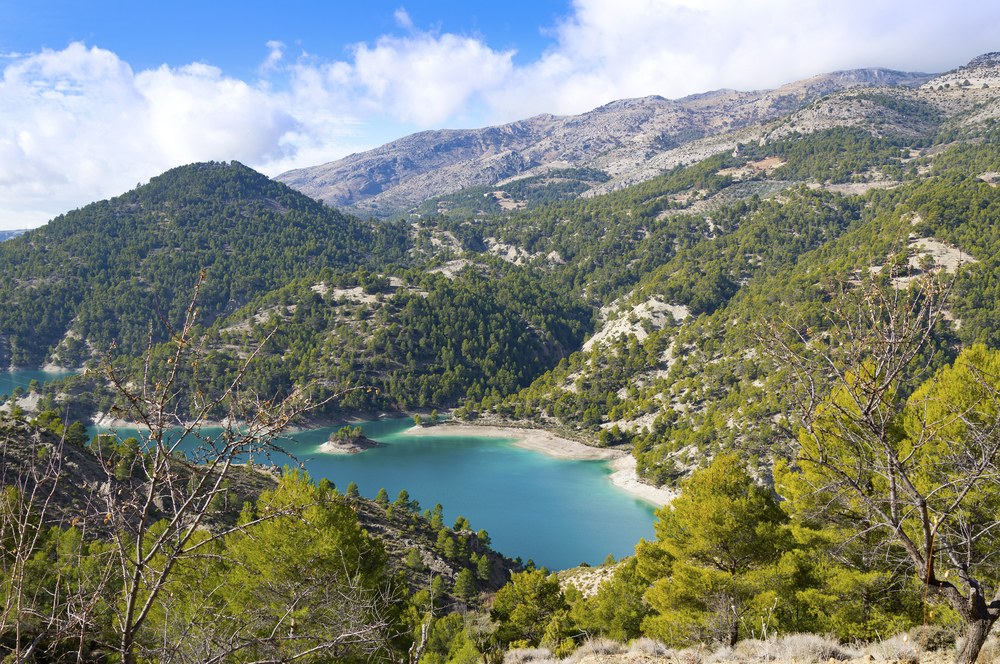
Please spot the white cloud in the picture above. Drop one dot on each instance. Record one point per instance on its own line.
(78, 125)
(426, 78)
(276, 50)
(403, 19)
(616, 49)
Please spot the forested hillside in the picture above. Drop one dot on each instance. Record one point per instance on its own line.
(482, 301)
(106, 271)
(806, 308)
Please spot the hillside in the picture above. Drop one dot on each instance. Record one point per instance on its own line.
(616, 138)
(486, 308)
(66, 295)
(638, 308)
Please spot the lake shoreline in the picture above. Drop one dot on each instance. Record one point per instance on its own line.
(531, 439)
(622, 464)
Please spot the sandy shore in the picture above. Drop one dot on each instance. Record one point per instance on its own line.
(531, 439)
(624, 477)
(623, 464)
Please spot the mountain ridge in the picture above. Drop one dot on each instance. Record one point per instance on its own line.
(404, 172)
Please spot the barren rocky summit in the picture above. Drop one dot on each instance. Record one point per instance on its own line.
(618, 138)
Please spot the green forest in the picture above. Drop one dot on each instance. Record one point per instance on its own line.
(807, 352)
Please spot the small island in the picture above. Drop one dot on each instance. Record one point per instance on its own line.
(347, 440)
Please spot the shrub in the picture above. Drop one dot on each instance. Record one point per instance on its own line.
(932, 637)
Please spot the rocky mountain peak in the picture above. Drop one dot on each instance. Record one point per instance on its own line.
(982, 70)
(626, 138)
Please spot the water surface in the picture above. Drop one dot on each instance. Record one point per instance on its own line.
(9, 380)
(557, 512)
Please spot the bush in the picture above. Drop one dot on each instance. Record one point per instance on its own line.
(932, 637)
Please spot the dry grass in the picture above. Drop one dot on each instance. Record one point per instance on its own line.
(791, 647)
(528, 656)
(597, 648)
(898, 648)
(648, 647)
(788, 649)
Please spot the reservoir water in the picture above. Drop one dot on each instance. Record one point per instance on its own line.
(557, 512)
(9, 380)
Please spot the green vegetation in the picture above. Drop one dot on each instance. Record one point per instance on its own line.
(557, 185)
(706, 274)
(251, 234)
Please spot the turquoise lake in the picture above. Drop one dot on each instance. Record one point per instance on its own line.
(556, 512)
(10, 380)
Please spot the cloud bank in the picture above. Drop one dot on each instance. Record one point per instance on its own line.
(79, 124)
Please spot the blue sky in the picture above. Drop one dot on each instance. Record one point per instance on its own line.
(95, 97)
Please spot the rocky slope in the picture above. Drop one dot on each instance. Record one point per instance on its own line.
(616, 137)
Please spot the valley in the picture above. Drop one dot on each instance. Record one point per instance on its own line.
(687, 286)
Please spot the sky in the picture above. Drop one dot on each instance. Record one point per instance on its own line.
(96, 97)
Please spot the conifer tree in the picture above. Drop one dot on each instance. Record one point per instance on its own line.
(465, 585)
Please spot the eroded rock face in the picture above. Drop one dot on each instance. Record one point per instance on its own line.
(617, 137)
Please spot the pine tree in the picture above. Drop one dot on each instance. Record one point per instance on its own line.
(437, 586)
(465, 585)
(484, 568)
(414, 560)
(443, 537)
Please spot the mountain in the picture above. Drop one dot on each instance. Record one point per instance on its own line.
(636, 308)
(614, 138)
(624, 317)
(63, 289)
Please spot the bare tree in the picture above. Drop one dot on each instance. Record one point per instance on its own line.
(159, 506)
(902, 455)
(45, 603)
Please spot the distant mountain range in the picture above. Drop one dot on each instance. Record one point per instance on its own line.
(6, 235)
(620, 138)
